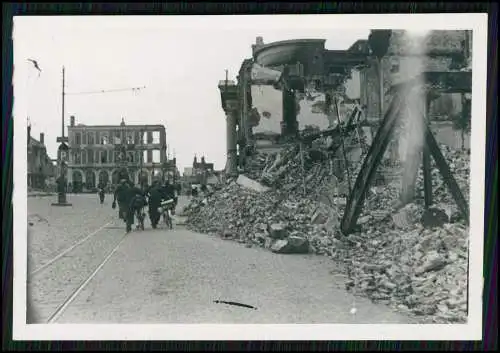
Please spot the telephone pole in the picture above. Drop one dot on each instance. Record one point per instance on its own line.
(63, 96)
(63, 157)
(63, 150)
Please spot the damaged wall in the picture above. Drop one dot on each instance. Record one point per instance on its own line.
(353, 85)
(401, 64)
(269, 99)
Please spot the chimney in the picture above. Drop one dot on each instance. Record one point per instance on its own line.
(72, 120)
(42, 138)
(29, 133)
(259, 41)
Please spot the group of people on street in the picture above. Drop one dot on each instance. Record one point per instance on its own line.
(131, 201)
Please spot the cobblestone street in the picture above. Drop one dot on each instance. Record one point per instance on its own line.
(173, 276)
(57, 228)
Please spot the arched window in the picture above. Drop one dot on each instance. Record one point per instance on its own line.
(90, 179)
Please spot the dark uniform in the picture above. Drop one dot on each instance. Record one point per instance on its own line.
(154, 202)
(135, 205)
(169, 193)
(169, 190)
(121, 195)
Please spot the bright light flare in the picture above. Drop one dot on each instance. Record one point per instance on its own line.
(417, 32)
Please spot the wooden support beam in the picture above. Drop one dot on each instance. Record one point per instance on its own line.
(442, 82)
(427, 177)
(426, 160)
(371, 162)
(447, 175)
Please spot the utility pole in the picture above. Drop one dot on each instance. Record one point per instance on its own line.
(63, 96)
(63, 157)
(123, 149)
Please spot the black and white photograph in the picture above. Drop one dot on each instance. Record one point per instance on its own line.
(209, 170)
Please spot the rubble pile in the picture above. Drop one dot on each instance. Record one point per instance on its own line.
(459, 163)
(412, 259)
(403, 264)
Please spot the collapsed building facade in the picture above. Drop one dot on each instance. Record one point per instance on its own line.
(407, 251)
(104, 154)
(292, 69)
(298, 76)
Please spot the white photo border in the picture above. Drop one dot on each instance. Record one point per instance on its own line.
(472, 330)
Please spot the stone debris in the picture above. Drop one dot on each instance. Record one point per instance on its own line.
(277, 231)
(291, 245)
(410, 258)
(251, 184)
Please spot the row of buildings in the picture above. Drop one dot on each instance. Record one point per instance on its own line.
(42, 170)
(200, 173)
(101, 155)
(277, 89)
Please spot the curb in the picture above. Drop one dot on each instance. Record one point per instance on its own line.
(41, 195)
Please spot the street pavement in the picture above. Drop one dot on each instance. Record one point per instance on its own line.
(56, 228)
(174, 276)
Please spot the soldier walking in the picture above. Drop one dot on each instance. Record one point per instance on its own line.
(155, 197)
(135, 207)
(121, 195)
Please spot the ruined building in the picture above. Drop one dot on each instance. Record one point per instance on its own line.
(278, 90)
(293, 71)
(441, 51)
(103, 154)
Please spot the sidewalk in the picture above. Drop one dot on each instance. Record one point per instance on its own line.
(40, 193)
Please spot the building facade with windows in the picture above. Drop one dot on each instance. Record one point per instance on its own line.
(41, 169)
(104, 154)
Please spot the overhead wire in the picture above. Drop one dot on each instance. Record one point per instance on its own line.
(134, 89)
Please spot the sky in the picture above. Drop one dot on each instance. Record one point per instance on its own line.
(180, 60)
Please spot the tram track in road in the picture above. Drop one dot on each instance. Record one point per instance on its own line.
(64, 305)
(67, 250)
(56, 283)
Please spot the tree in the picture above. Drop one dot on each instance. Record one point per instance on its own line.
(378, 42)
